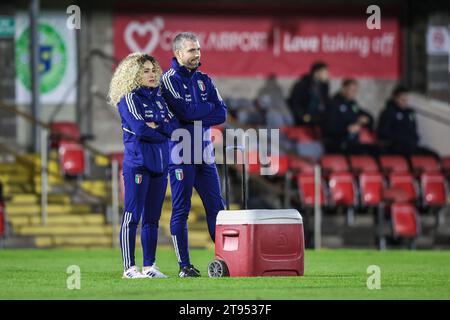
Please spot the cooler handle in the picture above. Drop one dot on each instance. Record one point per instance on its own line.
(242, 149)
(231, 233)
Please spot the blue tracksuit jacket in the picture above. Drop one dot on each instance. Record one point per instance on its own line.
(192, 96)
(144, 146)
(146, 158)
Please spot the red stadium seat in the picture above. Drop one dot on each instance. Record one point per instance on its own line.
(334, 163)
(404, 181)
(300, 134)
(283, 165)
(392, 195)
(446, 163)
(63, 130)
(394, 164)
(404, 220)
(424, 164)
(371, 188)
(342, 191)
(71, 158)
(254, 164)
(433, 189)
(281, 169)
(363, 164)
(301, 164)
(305, 182)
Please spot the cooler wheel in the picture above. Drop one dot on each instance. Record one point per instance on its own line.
(218, 269)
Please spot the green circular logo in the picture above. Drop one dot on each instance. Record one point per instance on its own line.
(52, 58)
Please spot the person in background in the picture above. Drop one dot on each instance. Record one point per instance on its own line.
(195, 101)
(345, 120)
(309, 96)
(270, 98)
(397, 126)
(147, 125)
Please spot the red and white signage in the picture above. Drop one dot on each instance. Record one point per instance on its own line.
(438, 40)
(261, 45)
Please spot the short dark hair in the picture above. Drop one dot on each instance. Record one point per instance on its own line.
(318, 65)
(348, 82)
(179, 39)
(398, 90)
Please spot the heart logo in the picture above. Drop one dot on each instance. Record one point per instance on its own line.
(142, 29)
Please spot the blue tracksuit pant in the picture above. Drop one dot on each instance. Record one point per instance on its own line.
(205, 179)
(144, 197)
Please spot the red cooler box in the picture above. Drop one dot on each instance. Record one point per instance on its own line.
(252, 243)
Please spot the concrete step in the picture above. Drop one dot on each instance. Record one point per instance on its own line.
(73, 241)
(72, 219)
(52, 209)
(12, 189)
(14, 169)
(64, 230)
(16, 178)
(24, 198)
(95, 187)
(59, 199)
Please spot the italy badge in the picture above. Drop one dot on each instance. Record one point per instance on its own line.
(179, 174)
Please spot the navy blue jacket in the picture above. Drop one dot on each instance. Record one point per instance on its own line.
(308, 100)
(146, 147)
(192, 96)
(398, 127)
(340, 115)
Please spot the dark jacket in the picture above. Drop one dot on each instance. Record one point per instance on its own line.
(397, 128)
(308, 100)
(342, 113)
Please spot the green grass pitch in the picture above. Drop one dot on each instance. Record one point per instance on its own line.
(329, 274)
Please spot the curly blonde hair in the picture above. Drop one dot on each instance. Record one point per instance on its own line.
(128, 75)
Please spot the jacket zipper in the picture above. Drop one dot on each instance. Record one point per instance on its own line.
(194, 92)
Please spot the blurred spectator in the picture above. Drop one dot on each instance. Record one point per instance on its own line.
(244, 111)
(345, 120)
(309, 96)
(397, 127)
(271, 103)
(270, 98)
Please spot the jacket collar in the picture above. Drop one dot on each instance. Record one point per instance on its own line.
(394, 106)
(182, 69)
(343, 99)
(146, 91)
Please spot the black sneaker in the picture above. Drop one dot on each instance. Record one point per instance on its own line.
(189, 272)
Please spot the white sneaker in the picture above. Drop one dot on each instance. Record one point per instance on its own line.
(153, 272)
(132, 273)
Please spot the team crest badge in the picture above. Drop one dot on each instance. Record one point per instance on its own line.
(201, 85)
(179, 174)
(138, 178)
(159, 105)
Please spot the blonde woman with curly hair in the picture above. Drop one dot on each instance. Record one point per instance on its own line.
(147, 125)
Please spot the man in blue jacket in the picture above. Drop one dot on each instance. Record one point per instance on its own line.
(195, 102)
